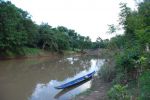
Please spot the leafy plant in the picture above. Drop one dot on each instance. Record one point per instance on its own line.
(107, 72)
(126, 60)
(118, 92)
(144, 85)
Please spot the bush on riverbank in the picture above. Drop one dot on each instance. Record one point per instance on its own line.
(133, 55)
(144, 86)
(131, 69)
(118, 92)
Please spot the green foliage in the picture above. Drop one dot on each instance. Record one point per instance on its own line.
(32, 33)
(126, 60)
(62, 41)
(118, 92)
(144, 11)
(125, 12)
(18, 31)
(107, 72)
(111, 29)
(100, 43)
(117, 42)
(132, 60)
(143, 36)
(30, 51)
(46, 38)
(144, 83)
(12, 33)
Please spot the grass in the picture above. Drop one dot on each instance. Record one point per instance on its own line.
(23, 52)
(32, 51)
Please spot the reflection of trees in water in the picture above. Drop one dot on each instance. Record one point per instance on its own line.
(54, 69)
(43, 69)
(64, 91)
(83, 63)
(59, 70)
(29, 72)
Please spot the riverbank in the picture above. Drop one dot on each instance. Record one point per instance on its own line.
(98, 91)
(34, 53)
(26, 53)
(101, 83)
(125, 85)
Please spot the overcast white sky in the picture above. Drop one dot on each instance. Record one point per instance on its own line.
(86, 17)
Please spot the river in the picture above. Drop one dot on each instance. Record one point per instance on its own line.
(35, 79)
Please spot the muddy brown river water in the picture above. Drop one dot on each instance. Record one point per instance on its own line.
(35, 79)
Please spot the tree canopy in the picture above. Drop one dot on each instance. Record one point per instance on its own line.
(17, 30)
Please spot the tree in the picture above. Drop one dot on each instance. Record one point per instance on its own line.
(144, 32)
(111, 29)
(12, 31)
(47, 39)
(62, 41)
(18, 31)
(32, 32)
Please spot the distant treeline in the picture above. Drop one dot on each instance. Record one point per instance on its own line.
(17, 31)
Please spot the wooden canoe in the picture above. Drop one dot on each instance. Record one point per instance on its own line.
(76, 81)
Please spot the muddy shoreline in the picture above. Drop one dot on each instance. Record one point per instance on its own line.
(52, 54)
(99, 88)
(98, 91)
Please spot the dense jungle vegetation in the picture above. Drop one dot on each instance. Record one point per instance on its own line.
(131, 71)
(19, 34)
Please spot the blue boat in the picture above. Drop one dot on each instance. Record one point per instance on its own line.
(64, 91)
(76, 81)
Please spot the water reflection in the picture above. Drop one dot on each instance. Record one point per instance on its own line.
(64, 91)
(35, 79)
(48, 92)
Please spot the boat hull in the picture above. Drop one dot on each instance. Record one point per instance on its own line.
(76, 81)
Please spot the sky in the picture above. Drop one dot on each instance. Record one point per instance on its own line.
(87, 17)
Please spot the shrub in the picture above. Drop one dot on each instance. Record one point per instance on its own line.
(118, 92)
(125, 61)
(144, 85)
(107, 72)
